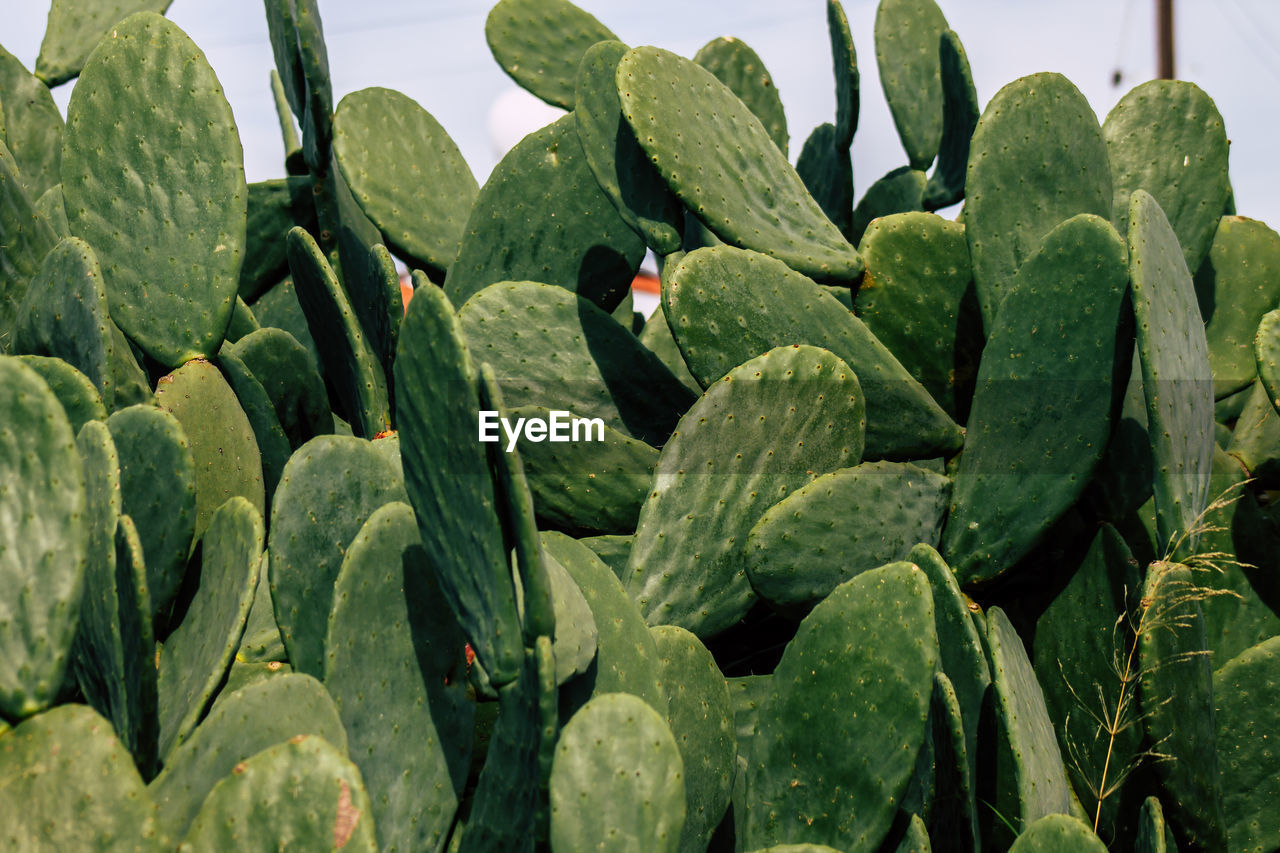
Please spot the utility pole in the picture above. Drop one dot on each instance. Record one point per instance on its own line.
(1164, 39)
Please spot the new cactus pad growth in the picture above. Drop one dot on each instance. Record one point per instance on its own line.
(935, 513)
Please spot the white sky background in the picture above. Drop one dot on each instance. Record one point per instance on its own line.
(434, 51)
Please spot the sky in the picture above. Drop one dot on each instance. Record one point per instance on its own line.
(435, 52)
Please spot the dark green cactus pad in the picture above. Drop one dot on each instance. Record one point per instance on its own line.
(273, 208)
(550, 348)
(1036, 158)
(1167, 137)
(158, 489)
(586, 486)
(1255, 438)
(826, 168)
(1154, 835)
(657, 338)
(748, 193)
(841, 524)
(273, 445)
(742, 70)
(907, 35)
(284, 48)
(242, 673)
(227, 460)
(50, 207)
(768, 305)
(701, 718)
(309, 538)
(540, 44)
(395, 668)
(1029, 778)
(240, 725)
(242, 322)
(576, 636)
(131, 384)
(616, 159)
(617, 783)
(301, 794)
(721, 471)
(613, 550)
(291, 378)
(198, 652)
(901, 190)
(45, 530)
(1176, 694)
(1176, 376)
(916, 837)
(1236, 285)
(407, 174)
(30, 124)
(75, 27)
(1057, 833)
(917, 297)
(261, 642)
(279, 308)
(1266, 349)
(542, 216)
(1246, 694)
(171, 270)
(627, 659)
(455, 503)
(80, 400)
(844, 59)
(27, 239)
(953, 811)
(297, 42)
(64, 314)
(350, 362)
(1044, 358)
(71, 785)
(1080, 638)
(874, 629)
(748, 693)
(960, 111)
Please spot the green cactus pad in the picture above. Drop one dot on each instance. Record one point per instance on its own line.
(1025, 461)
(617, 782)
(1057, 833)
(45, 531)
(30, 124)
(1030, 779)
(1154, 835)
(767, 305)
(273, 208)
(701, 718)
(907, 35)
(748, 194)
(1079, 638)
(171, 270)
(1036, 158)
(349, 360)
(438, 402)
(1176, 696)
(80, 400)
(841, 524)
(158, 488)
(198, 652)
(540, 44)
(394, 665)
(132, 385)
(722, 470)
(541, 216)
(550, 348)
(917, 297)
(27, 239)
(51, 208)
(242, 322)
(303, 793)
(742, 70)
(953, 812)
(297, 42)
(1176, 375)
(960, 111)
(826, 168)
(64, 314)
(613, 550)
(657, 338)
(587, 486)
(1236, 285)
(901, 190)
(273, 446)
(876, 629)
(576, 636)
(71, 785)
(407, 174)
(75, 27)
(289, 375)
(618, 162)
(1266, 348)
(844, 59)
(227, 461)
(1247, 698)
(1255, 438)
(627, 659)
(261, 642)
(309, 538)
(1167, 137)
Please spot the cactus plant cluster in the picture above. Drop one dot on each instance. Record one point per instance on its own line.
(901, 531)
